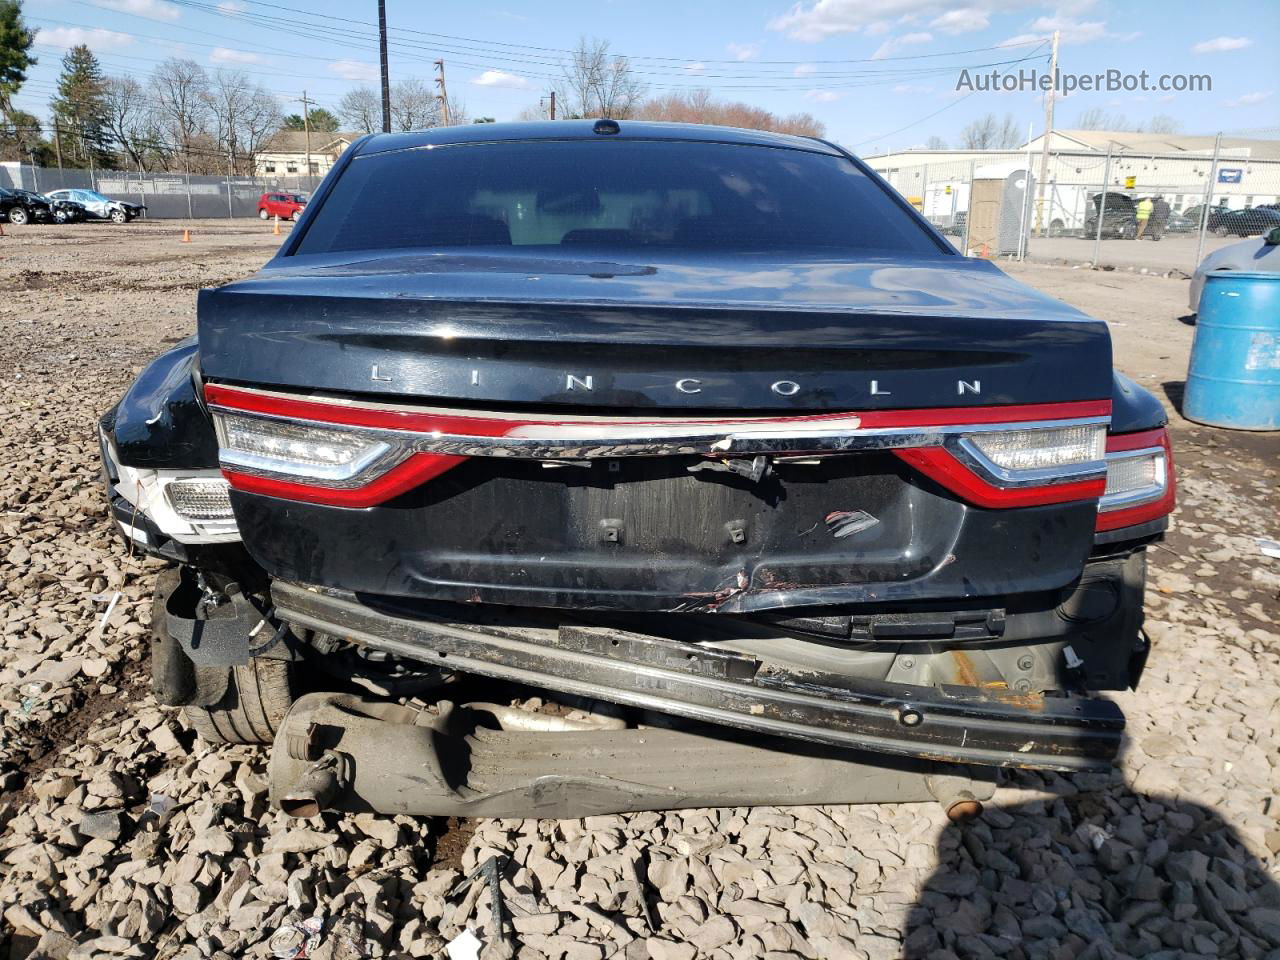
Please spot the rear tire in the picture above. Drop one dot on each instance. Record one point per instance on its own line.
(258, 696)
(18, 216)
(262, 214)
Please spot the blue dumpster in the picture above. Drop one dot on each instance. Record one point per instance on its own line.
(1234, 379)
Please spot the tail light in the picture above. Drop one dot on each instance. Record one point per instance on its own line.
(1140, 480)
(358, 454)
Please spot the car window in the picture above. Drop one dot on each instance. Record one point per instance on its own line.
(609, 194)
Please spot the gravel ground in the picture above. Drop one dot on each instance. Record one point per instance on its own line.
(122, 835)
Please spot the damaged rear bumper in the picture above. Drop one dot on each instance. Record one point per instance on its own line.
(963, 724)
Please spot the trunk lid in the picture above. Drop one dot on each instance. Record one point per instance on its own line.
(709, 333)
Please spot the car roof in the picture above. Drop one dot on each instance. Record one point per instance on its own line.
(584, 130)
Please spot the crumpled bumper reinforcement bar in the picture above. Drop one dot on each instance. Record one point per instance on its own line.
(988, 726)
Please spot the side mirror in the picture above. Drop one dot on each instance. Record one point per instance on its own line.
(1272, 237)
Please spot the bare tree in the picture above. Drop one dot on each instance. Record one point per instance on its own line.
(990, 133)
(245, 115)
(228, 98)
(533, 112)
(595, 84)
(180, 89)
(413, 106)
(935, 143)
(699, 106)
(131, 122)
(361, 109)
(258, 124)
(1163, 123)
(458, 110)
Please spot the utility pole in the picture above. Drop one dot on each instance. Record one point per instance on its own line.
(1048, 132)
(306, 127)
(443, 95)
(386, 74)
(1208, 196)
(57, 146)
(553, 104)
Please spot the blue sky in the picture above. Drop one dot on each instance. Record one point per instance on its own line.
(881, 74)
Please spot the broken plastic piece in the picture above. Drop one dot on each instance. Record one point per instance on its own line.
(465, 946)
(1269, 548)
(1073, 660)
(296, 941)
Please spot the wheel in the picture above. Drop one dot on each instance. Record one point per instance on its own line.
(295, 215)
(1055, 227)
(118, 216)
(1220, 231)
(18, 215)
(258, 696)
(59, 216)
(262, 214)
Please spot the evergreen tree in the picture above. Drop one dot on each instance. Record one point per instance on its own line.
(80, 108)
(322, 121)
(15, 57)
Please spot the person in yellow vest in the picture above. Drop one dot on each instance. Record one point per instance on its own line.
(1144, 214)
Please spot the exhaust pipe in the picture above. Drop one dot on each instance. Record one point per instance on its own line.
(344, 752)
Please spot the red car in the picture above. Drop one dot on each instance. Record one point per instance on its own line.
(286, 206)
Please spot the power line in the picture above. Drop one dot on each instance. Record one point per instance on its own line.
(213, 9)
(913, 123)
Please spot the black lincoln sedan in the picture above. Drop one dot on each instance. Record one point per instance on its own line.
(705, 434)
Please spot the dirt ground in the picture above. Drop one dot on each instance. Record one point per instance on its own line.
(122, 835)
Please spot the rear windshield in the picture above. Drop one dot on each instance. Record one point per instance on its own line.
(609, 194)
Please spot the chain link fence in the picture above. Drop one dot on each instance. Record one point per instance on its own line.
(1156, 212)
(165, 195)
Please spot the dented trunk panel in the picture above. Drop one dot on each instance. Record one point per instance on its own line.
(648, 534)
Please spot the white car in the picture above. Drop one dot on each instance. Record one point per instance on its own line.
(98, 207)
(1256, 253)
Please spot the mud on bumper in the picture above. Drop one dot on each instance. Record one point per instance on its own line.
(971, 724)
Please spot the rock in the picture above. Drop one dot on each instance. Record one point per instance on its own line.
(107, 825)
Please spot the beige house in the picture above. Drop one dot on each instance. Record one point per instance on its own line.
(286, 154)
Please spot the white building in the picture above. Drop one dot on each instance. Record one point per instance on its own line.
(1142, 164)
(286, 154)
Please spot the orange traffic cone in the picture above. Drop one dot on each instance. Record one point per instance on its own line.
(985, 252)
(275, 230)
(1, 230)
(186, 236)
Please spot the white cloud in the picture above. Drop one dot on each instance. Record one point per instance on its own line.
(497, 78)
(1250, 99)
(964, 20)
(695, 68)
(805, 70)
(96, 39)
(1222, 45)
(912, 89)
(232, 7)
(154, 9)
(822, 96)
(894, 44)
(744, 51)
(354, 70)
(1072, 31)
(816, 20)
(227, 55)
